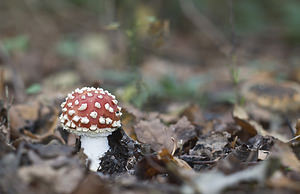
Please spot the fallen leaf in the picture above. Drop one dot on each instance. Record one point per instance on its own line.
(130, 117)
(62, 180)
(279, 180)
(183, 130)
(92, 184)
(160, 136)
(252, 127)
(155, 133)
(214, 182)
(32, 120)
(285, 154)
(194, 114)
(167, 157)
(241, 118)
(211, 145)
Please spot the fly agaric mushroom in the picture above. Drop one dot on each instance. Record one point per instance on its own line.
(93, 114)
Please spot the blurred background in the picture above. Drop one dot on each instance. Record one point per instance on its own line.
(149, 53)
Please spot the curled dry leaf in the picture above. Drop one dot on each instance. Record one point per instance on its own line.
(285, 154)
(183, 130)
(194, 114)
(211, 145)
(167, 157)
(215, 182)
(153, 165)
(241, 118)
(130, 116)
(32, 120)
(92, 184)
(62, 180)
(160, 136)
(155, 133)
(279, 180)
(252, 127)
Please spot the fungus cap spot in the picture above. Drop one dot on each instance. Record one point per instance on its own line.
(84, 120)
(63, 104)
(108, 121)
(93, 127)
(102, 120)
(97, 105)
(93, 114)
(71, 112)
(76, 118)
(83, 107)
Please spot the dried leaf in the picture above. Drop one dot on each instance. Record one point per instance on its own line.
(167, 158)
(183, 130)
(62, 180)
(130, 116)
(194, 114)
(278, 180)
(241, 118)
(215, 182)
(34, 120)
(252, 127)
(211, 145)
(92, 184)
(155, 133)
(285, 153)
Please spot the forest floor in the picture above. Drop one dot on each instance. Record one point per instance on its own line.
(188, 111)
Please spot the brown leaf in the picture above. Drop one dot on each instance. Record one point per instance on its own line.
(92, 184)
(194, 114)
(241, 118)
(34, 120)
(130, 116)
(62, 180)
(153, 165)
(155, 133)
(210, 144)
(167, 158)
(183, 130)
(252, 127)
(278, 180)
(159, 136)
(149, 167)
(285, 153)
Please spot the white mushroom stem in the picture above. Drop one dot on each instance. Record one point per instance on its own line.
(94, 147)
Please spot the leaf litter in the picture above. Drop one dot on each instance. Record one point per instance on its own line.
(183, 135)
(183, 156)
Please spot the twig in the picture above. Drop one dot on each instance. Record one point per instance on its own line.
(294, 138)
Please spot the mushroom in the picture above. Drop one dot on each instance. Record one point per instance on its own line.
(93, 114)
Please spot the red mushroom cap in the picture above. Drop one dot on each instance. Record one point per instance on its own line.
(90, 111)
